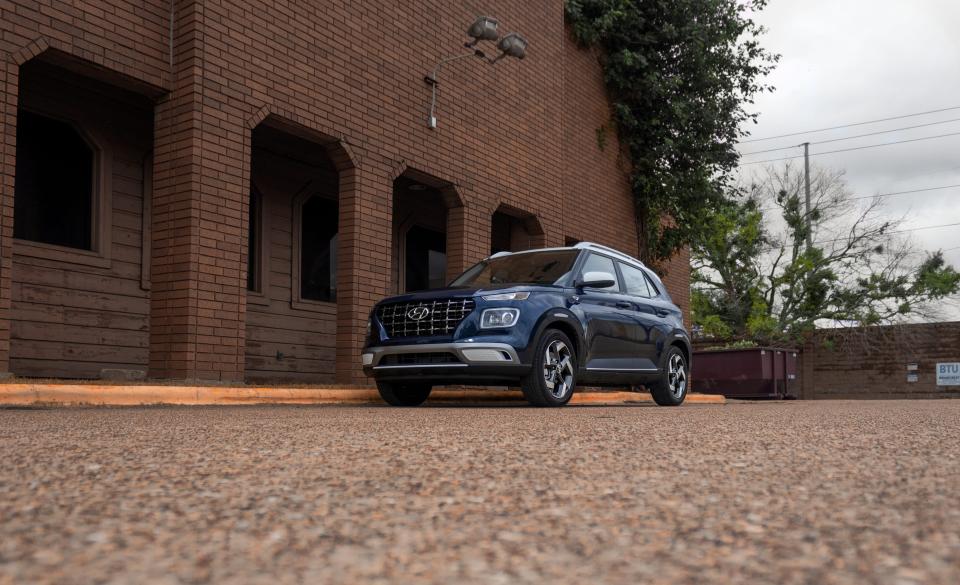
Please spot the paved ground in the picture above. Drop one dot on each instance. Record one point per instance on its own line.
(827, 492)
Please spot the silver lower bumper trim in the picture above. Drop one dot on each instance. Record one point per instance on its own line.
(501, 354)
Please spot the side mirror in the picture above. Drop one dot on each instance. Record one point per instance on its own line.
(596, 280)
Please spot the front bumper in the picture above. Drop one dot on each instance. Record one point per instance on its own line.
(468, 362)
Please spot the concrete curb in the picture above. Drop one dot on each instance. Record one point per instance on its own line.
(23, 394)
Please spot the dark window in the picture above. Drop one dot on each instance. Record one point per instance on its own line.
(501, 233)
(635, 281)
(53, 200)
(254, 235)
(426, 259)
(508, 233)
(318, 249)
(597, 263)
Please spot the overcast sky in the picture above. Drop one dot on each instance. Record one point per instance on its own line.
(849, 61)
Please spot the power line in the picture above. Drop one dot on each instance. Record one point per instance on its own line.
(917, 229)
(907, 192)
(757, 162)
(854, 137)
(852, 125)
(765, 209)
(773, 149)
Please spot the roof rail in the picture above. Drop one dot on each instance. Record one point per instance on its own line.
(608, 250)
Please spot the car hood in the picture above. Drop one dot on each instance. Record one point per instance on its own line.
(465, 292)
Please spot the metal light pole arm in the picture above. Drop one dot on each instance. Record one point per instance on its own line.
(432, 81)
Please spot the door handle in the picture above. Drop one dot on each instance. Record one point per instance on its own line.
(662, 312)
(624, 305)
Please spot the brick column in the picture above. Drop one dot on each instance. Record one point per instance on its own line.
(456, 229)
(9, 76)
(457, 241)
(199, 214)
(677, 279)
(364, 258)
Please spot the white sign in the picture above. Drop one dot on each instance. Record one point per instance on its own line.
(948, 374)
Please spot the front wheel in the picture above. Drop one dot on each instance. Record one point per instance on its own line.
(396, 394)
(671, 388)
(554, 373)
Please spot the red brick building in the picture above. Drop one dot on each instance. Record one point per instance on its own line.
(222, 189)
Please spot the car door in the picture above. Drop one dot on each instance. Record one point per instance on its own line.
(647, 312)
(610, 327)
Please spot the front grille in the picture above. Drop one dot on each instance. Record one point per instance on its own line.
(441, 318)
(419, 359)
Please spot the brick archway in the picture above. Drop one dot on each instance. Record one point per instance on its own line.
(513, 229)
(292, 255)
(49, 63)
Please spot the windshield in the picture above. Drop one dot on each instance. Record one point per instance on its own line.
(546, 267)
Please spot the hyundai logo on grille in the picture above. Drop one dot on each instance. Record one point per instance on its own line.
(418, 313)
(419, 318)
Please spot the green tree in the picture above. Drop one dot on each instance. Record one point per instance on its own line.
(679, 74)
(755, 276)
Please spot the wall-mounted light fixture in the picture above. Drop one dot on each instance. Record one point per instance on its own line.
(483, 28)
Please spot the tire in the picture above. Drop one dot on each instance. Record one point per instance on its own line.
(671, 387)
(408, 394)
(554, 375)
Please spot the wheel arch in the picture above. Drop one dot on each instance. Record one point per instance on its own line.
(684, 346)
(567, 324)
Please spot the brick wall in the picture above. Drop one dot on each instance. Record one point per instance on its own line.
(872, 362)
(593, 172)
(347, 76)
(596, 169)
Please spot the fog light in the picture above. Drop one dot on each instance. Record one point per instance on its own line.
(499, 318)
(367, 359)
(483, 355)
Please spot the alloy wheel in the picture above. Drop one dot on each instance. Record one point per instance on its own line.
(677, 375)
(558, 369)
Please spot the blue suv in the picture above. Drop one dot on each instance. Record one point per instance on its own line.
(546, 319)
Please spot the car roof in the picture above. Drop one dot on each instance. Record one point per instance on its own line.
(580, 246)
(593, 247)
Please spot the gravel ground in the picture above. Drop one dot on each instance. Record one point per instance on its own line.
(816, 492)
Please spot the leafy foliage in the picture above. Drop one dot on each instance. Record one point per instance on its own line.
(679, 73)
(750, 282)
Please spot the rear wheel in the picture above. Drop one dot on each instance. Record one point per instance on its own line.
(671, 388)
(553, 377)
(404, 394)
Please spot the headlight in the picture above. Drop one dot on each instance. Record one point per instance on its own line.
(512, 296)
(499, 318)
(369, 326)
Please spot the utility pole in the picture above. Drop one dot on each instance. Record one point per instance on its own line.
(806, 186)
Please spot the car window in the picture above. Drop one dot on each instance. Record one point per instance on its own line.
(635, 281)
(597, 263)
(654, 289)
(539, 268)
